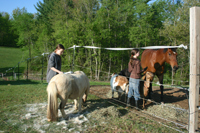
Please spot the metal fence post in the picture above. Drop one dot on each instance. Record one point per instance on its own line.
(27, 70)
(18, 70)
(42, 67)
(73, 57)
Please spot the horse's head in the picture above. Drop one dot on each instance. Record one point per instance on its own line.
(171, 58)
(148, 79)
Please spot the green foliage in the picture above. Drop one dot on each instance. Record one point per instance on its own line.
(7, 33)
(104, 23)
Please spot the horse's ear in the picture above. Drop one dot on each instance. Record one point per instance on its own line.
(174, 49)
(165, 50)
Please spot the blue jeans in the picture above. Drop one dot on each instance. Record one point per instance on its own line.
(134, 86)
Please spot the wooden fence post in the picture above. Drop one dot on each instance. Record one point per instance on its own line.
(194, 68)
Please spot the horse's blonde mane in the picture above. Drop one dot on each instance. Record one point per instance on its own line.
(78, 72)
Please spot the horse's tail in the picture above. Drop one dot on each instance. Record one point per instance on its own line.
(52, 108)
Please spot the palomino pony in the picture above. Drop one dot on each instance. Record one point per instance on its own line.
(155, 61)
(66, 86)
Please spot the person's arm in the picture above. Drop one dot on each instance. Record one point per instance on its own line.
(56, 70)
(130, 68)
(141, 71)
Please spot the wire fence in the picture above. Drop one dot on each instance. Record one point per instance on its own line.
(14, 73)
(172, 123)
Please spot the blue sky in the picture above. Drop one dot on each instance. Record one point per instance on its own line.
(9, 5)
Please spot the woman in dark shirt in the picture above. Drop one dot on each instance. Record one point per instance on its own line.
(54, 63)
(134, 67)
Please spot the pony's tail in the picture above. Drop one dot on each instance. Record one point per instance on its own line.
(52, 107)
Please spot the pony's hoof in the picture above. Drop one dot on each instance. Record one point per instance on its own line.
(49, 120)
(162, 103)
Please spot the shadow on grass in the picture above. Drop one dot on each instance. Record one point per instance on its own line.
(19, 82)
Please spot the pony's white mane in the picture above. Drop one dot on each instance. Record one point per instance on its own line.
(70, 72)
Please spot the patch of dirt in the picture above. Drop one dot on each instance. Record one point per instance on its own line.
(103, 113)
(175, 106)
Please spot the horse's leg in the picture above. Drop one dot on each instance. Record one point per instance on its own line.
(62, 106)
(119, 95)
(85, 95)
(143, 103)
(75, 104)
(126, 95)
(112, 93)
(161, 87)
(150, 91)
(113, 89)
(79, 103)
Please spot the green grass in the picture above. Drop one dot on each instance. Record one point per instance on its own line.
(15, 95)
(99, 83)
(10, 57)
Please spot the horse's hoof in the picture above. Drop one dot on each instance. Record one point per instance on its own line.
(50, 120)
(162, 103)
(66, 117)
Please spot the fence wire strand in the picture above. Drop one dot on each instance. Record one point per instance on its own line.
(151, 114)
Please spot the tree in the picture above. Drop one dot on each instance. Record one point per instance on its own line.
(7, 34)
(23, 22)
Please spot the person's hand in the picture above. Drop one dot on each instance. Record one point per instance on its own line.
(145, 68)
(60, 72)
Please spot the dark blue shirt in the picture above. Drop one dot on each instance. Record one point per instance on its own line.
(54, 61)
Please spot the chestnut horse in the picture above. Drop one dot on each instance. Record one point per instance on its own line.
(155, 61)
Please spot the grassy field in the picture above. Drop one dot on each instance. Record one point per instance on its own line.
(10, 57)
(20, 99)
(23, 108)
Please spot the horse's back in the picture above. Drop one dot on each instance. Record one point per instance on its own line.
(71, 85)
(148, 59)
(81, 80)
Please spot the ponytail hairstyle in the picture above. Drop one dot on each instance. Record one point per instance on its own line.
(59, 46)
(133, 52)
